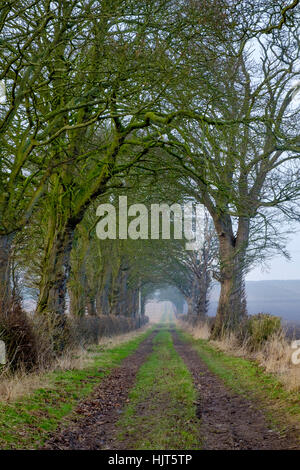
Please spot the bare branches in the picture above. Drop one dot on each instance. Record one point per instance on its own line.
(283, 19)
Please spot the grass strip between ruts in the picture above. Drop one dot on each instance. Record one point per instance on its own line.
(161, 413)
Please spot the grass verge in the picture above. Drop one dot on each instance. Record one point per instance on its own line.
(246, 377)
(161, 413)
(27, 422)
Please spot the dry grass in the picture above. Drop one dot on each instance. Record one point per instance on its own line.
(112, 341)
(14, 386)
(21, 383)
(201, 331)
(274, 356)
(229, 343)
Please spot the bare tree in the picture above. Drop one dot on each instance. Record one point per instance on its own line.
(241, 171)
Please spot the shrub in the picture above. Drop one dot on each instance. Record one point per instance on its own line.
(53, 335)
(20, 341)
(35, 342)
(89, 330)
(260, 328)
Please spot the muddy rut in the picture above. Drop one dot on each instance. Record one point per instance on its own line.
(228, 421)
(98, 414)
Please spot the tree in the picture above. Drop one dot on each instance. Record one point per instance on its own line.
(126, 69)
(241, 171)
(67, 66)
(42, 54)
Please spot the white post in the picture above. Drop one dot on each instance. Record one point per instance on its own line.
(2, 352)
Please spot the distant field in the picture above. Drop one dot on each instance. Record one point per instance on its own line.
(276, 297)
(288, 310)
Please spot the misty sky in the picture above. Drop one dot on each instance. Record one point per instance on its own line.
(280, 268)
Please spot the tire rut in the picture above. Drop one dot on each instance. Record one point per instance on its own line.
(228, 421)
(94, 429)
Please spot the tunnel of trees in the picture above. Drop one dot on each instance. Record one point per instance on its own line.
(164, 102)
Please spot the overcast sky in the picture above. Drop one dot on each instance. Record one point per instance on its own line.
(280, 268)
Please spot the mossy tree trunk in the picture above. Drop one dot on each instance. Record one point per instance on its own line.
(5, 278)
(232, 302)
(55, 268)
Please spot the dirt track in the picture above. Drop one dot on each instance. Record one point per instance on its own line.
(97, 415)
(228, 421)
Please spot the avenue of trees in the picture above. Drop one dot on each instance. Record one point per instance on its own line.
(165, 101)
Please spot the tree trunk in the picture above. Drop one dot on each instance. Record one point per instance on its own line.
(232, 307)
(190, 304)
(118, 292)
(5, 278)
(114, 294)
(77, 303)
(91, 307)
(132, 303)
(202, 301)
(56, 270)
(143, 302)
(102, 296)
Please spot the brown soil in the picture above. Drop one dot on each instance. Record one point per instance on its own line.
(97, 415)
(229, 421)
